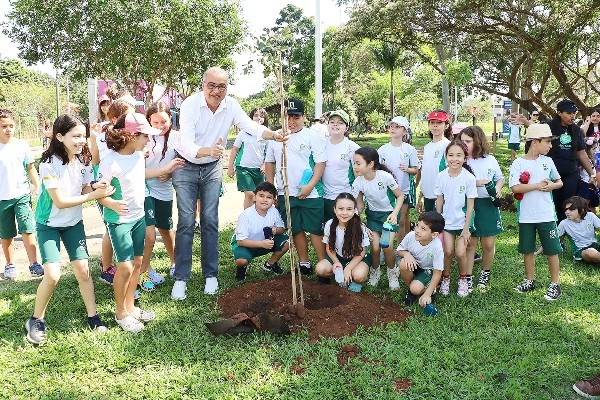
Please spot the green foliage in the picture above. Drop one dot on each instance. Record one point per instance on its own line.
(458, 73)
(375, 121)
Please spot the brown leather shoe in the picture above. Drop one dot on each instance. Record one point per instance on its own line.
(588, 388)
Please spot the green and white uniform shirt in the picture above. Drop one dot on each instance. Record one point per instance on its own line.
(304, 149)
(70, 179)
(155, 188)
(252, 150)
(583, 233)
(536, 206)
(430, 256)
(15, 156)
(339, 174)
(377, 193)
(485, 168)
(456, 190)
(434, 161)
(250, 223)
(339, 237)
(127, 174)
(393, 156)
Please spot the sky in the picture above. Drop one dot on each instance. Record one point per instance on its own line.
(258, 14)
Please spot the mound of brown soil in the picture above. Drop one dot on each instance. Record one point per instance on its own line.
(329, 311)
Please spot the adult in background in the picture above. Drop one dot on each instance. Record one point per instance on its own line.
(567, 152)
(205, 120)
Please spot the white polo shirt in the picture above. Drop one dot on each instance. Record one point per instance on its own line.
(430, 256)
(377, 193)
(393, 156)
(251, 152)
(339, 174)
(250, 223)
(155, 188)
(14, 157)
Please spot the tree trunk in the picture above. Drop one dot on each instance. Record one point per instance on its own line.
(441, 53)
(392, 96)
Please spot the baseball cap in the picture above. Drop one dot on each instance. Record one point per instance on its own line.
(438, 116)
(102, 98)
(342, 114)
(295, 106)
(538, 131)
(458, 127)
(400, 121)
(136, 122)
(566, 105)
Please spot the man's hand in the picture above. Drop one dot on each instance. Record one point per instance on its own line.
(217, 150)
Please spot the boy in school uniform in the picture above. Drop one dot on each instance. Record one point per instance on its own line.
(259, 231)
(305, 151)
(17, 171)
(422, 261)
(534, 176)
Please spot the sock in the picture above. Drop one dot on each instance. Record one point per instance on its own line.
(446, 276)
(462, 276)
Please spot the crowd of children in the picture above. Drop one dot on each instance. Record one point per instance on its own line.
(331, 181)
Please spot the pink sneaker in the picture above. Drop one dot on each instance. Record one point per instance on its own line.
(463, 287)
(445, 287)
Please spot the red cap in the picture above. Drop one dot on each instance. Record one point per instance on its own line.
(438, 116)
(136, 122)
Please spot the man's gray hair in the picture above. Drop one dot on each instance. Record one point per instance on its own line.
(214, 70)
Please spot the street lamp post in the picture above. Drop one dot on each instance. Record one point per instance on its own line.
(318, 63)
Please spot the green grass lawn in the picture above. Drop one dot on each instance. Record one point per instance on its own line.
(491, 345)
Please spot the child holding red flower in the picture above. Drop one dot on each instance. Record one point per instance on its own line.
(532, 179)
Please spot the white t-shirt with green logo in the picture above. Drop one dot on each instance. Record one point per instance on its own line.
(250, 223)
(393, 156)
(340, 233)
(377, 193)
(252, 151)
(14, 158)
(456, 190)
(536, 206)
(339, 174)
(70, 179)
(434, 161)
(127, 174)
(485, 168)
(583, 232)
(430, 256)
(155, 188)
(304, 149)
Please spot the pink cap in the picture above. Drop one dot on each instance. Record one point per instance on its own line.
(136, 122)
(438, 116)
(103, 98)
(457, 127)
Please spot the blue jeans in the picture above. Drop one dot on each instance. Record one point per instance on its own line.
(192, 182)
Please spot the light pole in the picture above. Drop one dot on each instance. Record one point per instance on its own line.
(318, 63)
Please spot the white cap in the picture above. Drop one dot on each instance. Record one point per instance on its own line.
(400, 121)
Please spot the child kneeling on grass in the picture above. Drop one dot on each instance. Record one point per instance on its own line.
(533, 177)
(580, 226)
(345, 239)
(260, 231)
(422, 261)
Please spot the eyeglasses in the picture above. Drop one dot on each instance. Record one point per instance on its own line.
(212, 86)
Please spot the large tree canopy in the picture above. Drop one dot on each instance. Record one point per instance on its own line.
(530, 51)
(155, 41)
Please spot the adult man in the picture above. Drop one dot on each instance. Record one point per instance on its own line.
(205, 121)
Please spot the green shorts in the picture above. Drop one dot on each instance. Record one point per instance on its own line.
(344, 261)
(423, 275)
(19, 209)
(488, 221)
(250, 253)
(429, 204)
(328, 210)
(248, 178)
(159, 213)
(410, 198)
(127, 239)
(73, 238)
(458, 232)
(375, 220)
(514, 146)
(306, 215)
(577, 253)
(548, 233)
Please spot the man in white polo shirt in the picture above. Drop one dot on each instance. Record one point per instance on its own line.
(206, 118)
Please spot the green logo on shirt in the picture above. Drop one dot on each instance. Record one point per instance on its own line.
(343, 157)
(429, 256)
(437, 154)
(381, 185)
(565, 138)
(302, 146)
(545, 167)
(462, 189)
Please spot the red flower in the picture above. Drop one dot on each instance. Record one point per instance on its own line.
(523, 178)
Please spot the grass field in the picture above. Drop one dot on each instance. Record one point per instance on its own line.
(491, 345)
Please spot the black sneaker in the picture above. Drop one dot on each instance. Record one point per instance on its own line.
(477, 257)
(526, 286)
(553, 292)
(240, 274)
(305, 268)
(36, 330)
(409, 299)
(96, 324)
(484, 279)
(470, 283)
(275, 268)
(36, 269)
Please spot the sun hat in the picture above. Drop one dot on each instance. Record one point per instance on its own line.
(538, 131)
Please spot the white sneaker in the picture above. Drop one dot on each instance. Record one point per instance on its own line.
(212, 286)
(172, 271)
(178, 291)
(445, 287)
(463, 287)
(130, 324)
(155, 277)
(339, 274)
(143, 315)
(374, 276)
(10, 272)
(393, 274)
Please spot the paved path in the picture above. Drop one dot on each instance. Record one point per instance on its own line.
(230, 206)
